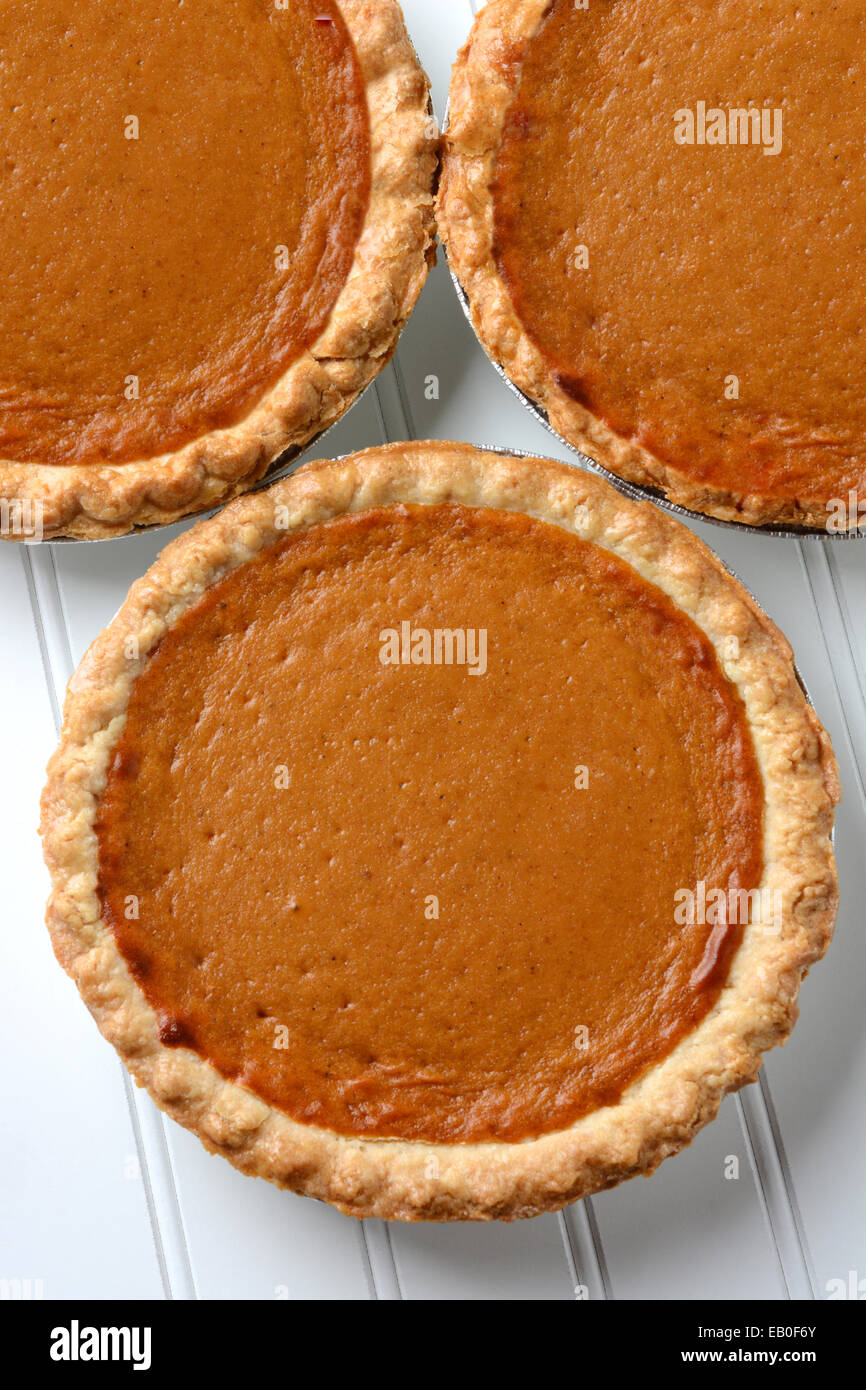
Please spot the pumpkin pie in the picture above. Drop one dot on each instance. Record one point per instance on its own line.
(655, 211)
(216, 220)
(440, 834)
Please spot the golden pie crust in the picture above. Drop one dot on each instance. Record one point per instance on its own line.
(391, 260)
(657, 1114)
(638, 448)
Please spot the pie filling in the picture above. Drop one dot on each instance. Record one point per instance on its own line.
(695, 279)
(397, 825)
(184, 188)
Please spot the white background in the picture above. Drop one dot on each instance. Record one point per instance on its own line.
(102, 1198)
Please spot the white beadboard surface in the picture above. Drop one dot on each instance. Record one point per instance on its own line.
(104, 1198)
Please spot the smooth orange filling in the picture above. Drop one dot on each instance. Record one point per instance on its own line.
(716, 314)
(404, 899)
(184, 187)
